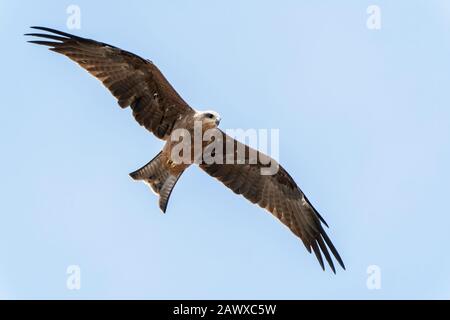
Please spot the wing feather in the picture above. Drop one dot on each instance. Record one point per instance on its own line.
(134, 81)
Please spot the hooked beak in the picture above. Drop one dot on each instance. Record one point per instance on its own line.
(218, 120)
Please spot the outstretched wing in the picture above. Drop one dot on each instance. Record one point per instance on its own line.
(134, 81)
(278, 193)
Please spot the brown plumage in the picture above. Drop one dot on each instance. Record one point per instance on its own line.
(134, 81)
(138, 83)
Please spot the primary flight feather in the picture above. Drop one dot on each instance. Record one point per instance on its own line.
(138, 83)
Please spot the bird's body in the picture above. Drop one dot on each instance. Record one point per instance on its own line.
(138, 83)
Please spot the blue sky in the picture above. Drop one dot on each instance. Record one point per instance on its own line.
(364, 123)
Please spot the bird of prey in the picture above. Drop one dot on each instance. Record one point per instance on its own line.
(138, 83)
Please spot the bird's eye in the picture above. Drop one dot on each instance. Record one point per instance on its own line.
(210, 115)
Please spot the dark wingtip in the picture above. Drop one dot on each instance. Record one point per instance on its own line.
(43, 43)
(318, 254)
(332, 248)
(322, 219)
(315, 211)
(324, 249)
(43, 28)
(338, 258)
(333, 269)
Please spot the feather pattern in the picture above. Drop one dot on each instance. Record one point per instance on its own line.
(134, 81)
(280, 195)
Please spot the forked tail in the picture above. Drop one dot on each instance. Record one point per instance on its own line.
(159, 178)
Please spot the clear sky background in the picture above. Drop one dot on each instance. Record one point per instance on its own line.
(364, 119)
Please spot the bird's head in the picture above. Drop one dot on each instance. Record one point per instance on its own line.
(209, 118)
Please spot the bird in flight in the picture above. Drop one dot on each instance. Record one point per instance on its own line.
(138, 83)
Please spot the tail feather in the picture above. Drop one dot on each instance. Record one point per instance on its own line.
(166, 190)
(156, 175)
